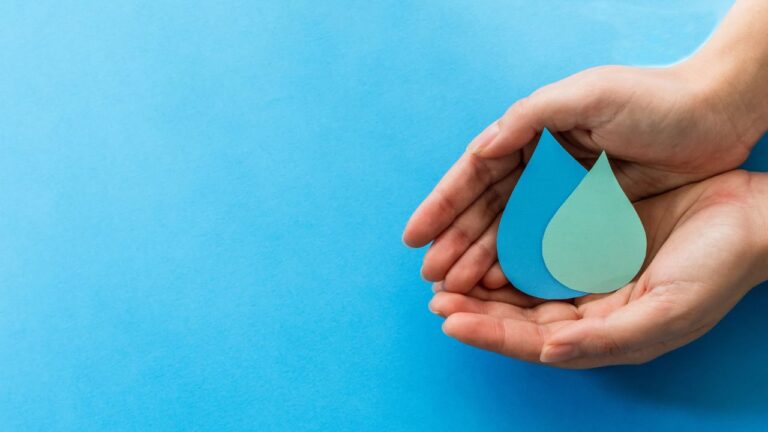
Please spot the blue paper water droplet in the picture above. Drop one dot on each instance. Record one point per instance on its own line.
(547, 181)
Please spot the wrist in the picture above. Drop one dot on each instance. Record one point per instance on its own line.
(727, 87)
(759, 186)
(730, 72)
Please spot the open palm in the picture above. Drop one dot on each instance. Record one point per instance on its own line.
(702, 261)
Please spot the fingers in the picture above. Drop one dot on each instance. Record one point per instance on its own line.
(495, 278)
(526, 332)
(564, 105)
(514, 338)
(506, 294)
(457, 190)
(602, 305)
(447, 304)
(697, 274)
(630, 329)
(475, 262)
(449, 246)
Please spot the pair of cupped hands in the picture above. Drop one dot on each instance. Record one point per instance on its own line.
(675, 145)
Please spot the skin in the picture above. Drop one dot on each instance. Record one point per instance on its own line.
(708, 248)
(667, 130)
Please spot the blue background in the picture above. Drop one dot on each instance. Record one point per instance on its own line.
(202, 203)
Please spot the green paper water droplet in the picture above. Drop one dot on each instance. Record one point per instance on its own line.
(595, 242)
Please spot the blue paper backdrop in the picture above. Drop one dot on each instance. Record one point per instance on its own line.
(201, 206)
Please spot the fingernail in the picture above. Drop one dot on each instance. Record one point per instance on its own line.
(558, 353)
(433, 310)
(485, 139)
(437, 287)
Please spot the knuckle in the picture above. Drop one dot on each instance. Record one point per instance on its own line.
(608, 346)
(494, 201)
(500, 344)
(480, 172)
(602, 75)
(446, 203)
(486, 253)
(518, 108)
(461, 238)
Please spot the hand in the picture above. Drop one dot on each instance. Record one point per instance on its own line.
(708, 247)
(663, 128)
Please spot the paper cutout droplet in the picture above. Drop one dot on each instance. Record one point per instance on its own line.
(547, 181)
(596, 242)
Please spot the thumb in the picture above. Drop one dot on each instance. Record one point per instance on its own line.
(561, 106)
(616, 337)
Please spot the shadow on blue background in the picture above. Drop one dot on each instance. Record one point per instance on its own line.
(722, 372)
(202, 205)
(758, 160)
(720, 376)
